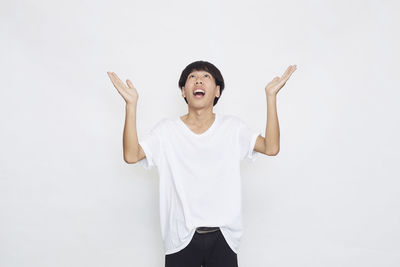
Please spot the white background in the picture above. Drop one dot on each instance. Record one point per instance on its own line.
(329, 198)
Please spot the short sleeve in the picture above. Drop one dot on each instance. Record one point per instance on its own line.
(151, 146)
(247, 140)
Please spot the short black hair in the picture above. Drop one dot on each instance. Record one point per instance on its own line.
(206, 66)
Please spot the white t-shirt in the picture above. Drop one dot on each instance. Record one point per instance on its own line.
(199, 177)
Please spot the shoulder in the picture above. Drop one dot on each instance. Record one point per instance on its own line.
(166, 124)
(160, 125)
(163, 122)
(231, 119)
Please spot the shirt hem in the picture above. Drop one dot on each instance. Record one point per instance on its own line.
(147, 162)
(182, 246)
(252, 154)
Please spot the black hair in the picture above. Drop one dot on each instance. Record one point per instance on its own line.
(205, 66)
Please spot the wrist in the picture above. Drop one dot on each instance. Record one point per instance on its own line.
(131, 105)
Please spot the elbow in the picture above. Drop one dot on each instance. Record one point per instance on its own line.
(131, 157)
(271, 148)
(129, 160)
(272, 152)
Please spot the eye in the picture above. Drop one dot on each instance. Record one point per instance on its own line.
(207, 75)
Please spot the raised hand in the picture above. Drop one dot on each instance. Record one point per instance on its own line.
(277, 83)
(128, 92)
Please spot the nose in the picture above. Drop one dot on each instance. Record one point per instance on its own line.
(199, 81)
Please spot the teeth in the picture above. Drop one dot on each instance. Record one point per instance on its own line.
(199, 90)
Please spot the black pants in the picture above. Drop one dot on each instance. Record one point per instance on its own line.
(206, 250)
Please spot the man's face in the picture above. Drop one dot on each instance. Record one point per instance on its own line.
(200, 81)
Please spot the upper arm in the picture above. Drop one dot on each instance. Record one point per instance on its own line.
(260, 146)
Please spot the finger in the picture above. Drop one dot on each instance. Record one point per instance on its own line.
(288, 73)
(287, 70)
(130, 85)
(111, 78)
(292, 69)
(115, 83)
(109, 75)
(118, 80)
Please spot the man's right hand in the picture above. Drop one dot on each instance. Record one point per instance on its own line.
(128, 92)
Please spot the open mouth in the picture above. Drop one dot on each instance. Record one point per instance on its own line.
(199, 94)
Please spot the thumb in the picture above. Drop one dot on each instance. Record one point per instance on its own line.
(130, 85)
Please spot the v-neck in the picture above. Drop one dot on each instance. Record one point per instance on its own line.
(205, 133)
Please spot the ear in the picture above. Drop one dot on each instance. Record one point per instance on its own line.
(218, 91)
(183, 91)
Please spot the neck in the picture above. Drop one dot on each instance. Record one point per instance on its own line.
(199, 117)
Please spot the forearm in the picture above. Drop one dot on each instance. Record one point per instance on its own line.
(272, 128)
(130, 138)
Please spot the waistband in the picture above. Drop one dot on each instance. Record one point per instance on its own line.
(204, 229)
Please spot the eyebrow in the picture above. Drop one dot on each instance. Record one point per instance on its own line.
(205, 72)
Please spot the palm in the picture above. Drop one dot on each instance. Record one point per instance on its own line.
(128, 92)
(277, 83)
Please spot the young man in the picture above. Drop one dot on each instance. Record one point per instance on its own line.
(198, 159)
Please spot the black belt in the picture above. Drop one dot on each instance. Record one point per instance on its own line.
(203, 230)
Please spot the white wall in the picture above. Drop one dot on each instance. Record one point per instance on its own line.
(329, 198)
